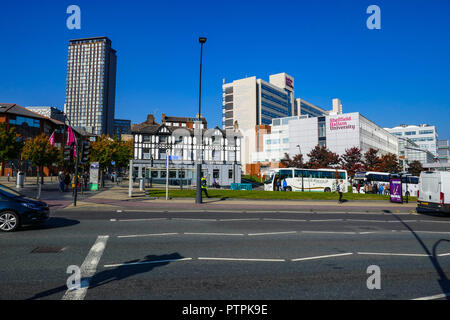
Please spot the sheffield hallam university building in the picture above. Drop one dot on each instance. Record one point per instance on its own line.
(184, 142)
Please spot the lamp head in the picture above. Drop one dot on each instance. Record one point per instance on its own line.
(202, 39)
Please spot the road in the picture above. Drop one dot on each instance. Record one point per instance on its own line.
(174, 254)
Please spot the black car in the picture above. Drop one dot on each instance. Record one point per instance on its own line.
(17, 210)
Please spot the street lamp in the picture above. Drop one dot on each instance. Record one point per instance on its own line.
(198, 198)
(300, 152)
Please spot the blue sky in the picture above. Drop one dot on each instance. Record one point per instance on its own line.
(399, 74)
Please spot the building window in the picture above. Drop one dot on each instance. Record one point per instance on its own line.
(230, 174)
(216, 173)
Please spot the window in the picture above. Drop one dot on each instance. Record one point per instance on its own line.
(216, 173)
(285, 174)
(410, 133)
(426, 132)
(230, 174)
(299, 173)
(322, 130)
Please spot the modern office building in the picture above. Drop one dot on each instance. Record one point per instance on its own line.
(337, 132)
(443, 151)
(424, 135)
(91, 85)
(409, 151)
(49, 112)
(249, 104)
(121, 126)
(180, 139)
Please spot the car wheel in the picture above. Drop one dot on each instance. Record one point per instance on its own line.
(288, 189)
(327, 190)
(9, 221)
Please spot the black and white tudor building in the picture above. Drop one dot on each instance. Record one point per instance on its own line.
(184, 142)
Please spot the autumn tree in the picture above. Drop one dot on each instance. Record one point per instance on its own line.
(41, 153)
(321, 157)
(415, 168)
(10, 143)
(296, 162)
(352, 161)
(389, 163)
(371, 160)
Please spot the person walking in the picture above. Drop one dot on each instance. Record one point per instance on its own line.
(340, 189)
(61, 181)
(66, 181)
(204, 186)
(381, 189)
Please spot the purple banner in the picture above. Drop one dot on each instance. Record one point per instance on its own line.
(396, 190)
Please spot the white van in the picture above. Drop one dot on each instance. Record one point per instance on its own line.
(434, 191)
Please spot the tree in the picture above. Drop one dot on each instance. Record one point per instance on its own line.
(321, 157)
(41, 153)
(352, 161)
(389, 163)
(10, 143)
(371, 160)
(105, 150)
(415, 167)
(296, 162)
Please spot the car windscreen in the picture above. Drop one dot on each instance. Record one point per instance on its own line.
(9, 191)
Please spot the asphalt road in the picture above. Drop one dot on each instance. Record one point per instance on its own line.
(136, 254)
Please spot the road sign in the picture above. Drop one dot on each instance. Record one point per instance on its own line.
(174, 158)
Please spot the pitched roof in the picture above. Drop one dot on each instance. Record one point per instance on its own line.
(12, 108)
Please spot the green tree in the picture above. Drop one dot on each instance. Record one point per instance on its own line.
(41, 153)
(105, 150)
(415, 168)
(321, 157)
(10, 143)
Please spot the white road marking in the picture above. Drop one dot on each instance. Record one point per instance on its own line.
(437, 296)
(290, 220)
(271, 233)
(147, 235)
(394, 254)
(326, 220)
(144, 262)
(323, 257)
(133, 220)
(431, 232)
(242, 259)
(443, 254)
(249, 219)
(328, 232)
(213, 234)
(192, 219)
(88, 269)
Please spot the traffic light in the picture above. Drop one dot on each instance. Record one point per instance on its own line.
(85, 151)
(68, 153)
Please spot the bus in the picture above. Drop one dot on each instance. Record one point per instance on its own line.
(319, 180)
(410, 183)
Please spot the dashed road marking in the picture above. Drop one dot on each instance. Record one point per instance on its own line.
(213, 234)
(148, 235)
(271, 233)
(241, 259)
(437, 296)
(144, 262)
(323, 257)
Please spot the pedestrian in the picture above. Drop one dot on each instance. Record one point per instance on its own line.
(275, 183)
(61, 181)
(204, 186)
(381, 189)
(279, 184)
(340, 189)
(8, 176)
(284, 184)
(66, 181)
(85, 180)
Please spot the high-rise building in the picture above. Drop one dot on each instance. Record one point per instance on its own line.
(122, 126)
(91, 85)
(250, 104)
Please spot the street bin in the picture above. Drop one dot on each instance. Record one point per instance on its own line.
(20, 179)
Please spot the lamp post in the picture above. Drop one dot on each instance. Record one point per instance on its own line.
(300, 152)
(198, 198)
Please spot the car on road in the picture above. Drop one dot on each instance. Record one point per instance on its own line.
(16, 210)
(434, 191)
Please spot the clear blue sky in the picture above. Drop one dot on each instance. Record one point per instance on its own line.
(399, 74)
